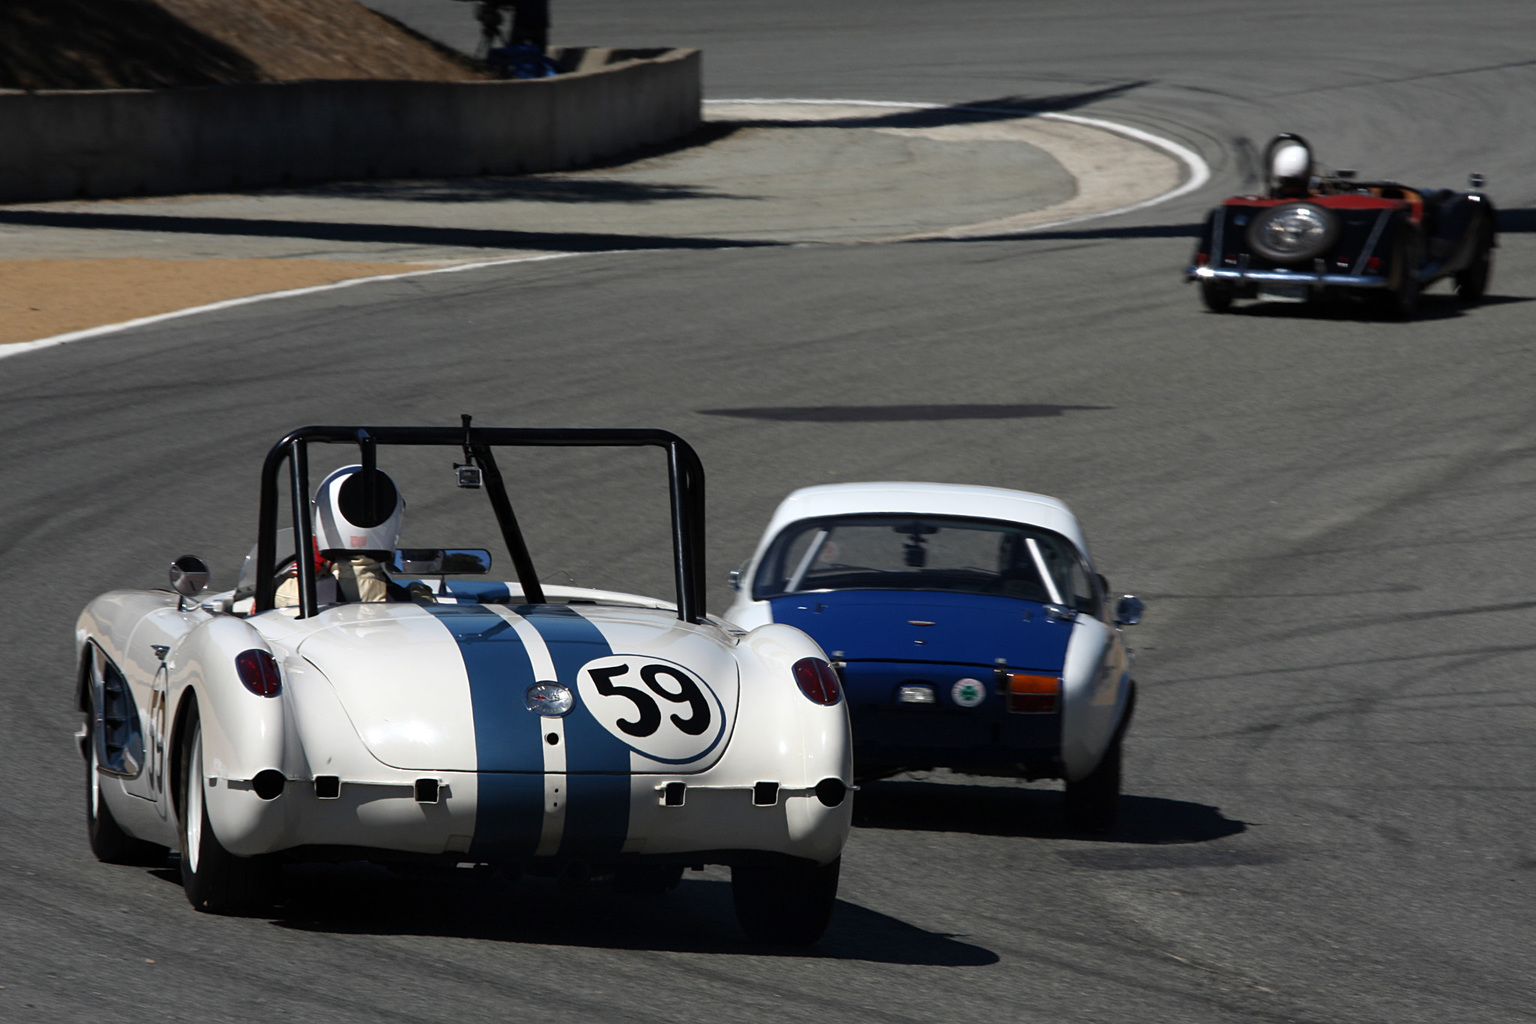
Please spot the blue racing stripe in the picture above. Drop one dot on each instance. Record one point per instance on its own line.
(508, 739)
(597, 793)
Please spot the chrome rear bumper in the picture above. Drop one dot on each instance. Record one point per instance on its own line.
(1314, 279)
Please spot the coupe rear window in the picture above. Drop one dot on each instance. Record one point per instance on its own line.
(903, 552)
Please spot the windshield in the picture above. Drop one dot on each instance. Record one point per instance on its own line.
(903, 552)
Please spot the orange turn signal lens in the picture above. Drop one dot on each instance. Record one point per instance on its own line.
(1033, 695)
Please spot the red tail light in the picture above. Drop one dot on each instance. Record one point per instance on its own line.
(1201, 259)
(818, 681)
(258, 671)
(1373, 265)
(1032, 694)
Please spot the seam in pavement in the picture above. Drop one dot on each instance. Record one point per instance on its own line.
(1198, 174)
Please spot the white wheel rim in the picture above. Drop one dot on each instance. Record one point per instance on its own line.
(193, 812)
(94, 769)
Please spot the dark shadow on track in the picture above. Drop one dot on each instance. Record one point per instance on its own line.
(697, 917)
(1431, 307)
(972, 112)
(898, 413)
(1519, 220)
(1073, 234)
(399, 234)
(1002, 810)
(532, 189)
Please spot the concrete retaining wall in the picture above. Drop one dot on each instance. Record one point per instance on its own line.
(61, 145)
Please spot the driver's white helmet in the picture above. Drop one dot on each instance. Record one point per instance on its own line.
(343, 523)
(1291, 160)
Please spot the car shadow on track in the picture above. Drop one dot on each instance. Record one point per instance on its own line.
(697, 917)
(1006, 810)
(1431, 307)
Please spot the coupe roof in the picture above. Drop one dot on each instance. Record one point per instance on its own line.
(902, 497)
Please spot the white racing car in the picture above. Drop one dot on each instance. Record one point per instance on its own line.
(329, 708)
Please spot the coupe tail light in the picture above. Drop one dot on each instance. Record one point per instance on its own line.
(1373, 265)
(1031, 694)
(1201, 259)
(818, 681)
(258, 671)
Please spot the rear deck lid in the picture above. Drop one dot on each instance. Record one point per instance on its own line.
(929, 626)
(444, 687)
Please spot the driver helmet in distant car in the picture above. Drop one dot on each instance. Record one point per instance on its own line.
(1289, 163)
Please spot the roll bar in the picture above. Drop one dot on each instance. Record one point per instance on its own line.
(684, 470)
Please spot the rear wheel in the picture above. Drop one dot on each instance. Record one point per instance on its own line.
(785, 903)
(1472, 283)
(1218, 295)
(216, 880)
(1093, 801)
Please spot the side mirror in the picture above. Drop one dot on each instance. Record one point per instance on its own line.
(1128, 610)
(1476, 181)
(189, 576)
(733, 579)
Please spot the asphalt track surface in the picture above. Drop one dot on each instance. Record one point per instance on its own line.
(1329, 779)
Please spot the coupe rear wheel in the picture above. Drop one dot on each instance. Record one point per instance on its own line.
(1093, 801)
(216, 880)
(1218, 295)
(785, 904)
(109, 842)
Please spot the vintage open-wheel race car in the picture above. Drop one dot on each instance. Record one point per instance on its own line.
(1319, 236)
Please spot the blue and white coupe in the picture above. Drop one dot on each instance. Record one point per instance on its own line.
(548, 730)
(968, 626)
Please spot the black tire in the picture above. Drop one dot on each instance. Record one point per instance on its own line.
(109, 842)
(1218, 295)
(1402, 301)
(216, 881)
(786, 903)
(1472, 283)
(1093, 802)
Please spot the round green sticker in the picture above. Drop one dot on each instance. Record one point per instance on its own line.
(968, 692)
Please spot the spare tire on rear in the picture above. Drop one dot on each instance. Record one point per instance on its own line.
(1293, 232)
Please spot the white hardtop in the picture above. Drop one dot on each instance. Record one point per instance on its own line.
(899, 497)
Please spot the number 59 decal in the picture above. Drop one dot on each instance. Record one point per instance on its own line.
(658, 708)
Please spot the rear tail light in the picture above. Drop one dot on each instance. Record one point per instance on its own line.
(1032, 694)
(1373, 265)
(1201, 259)
(258, 671)
(818, 681)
